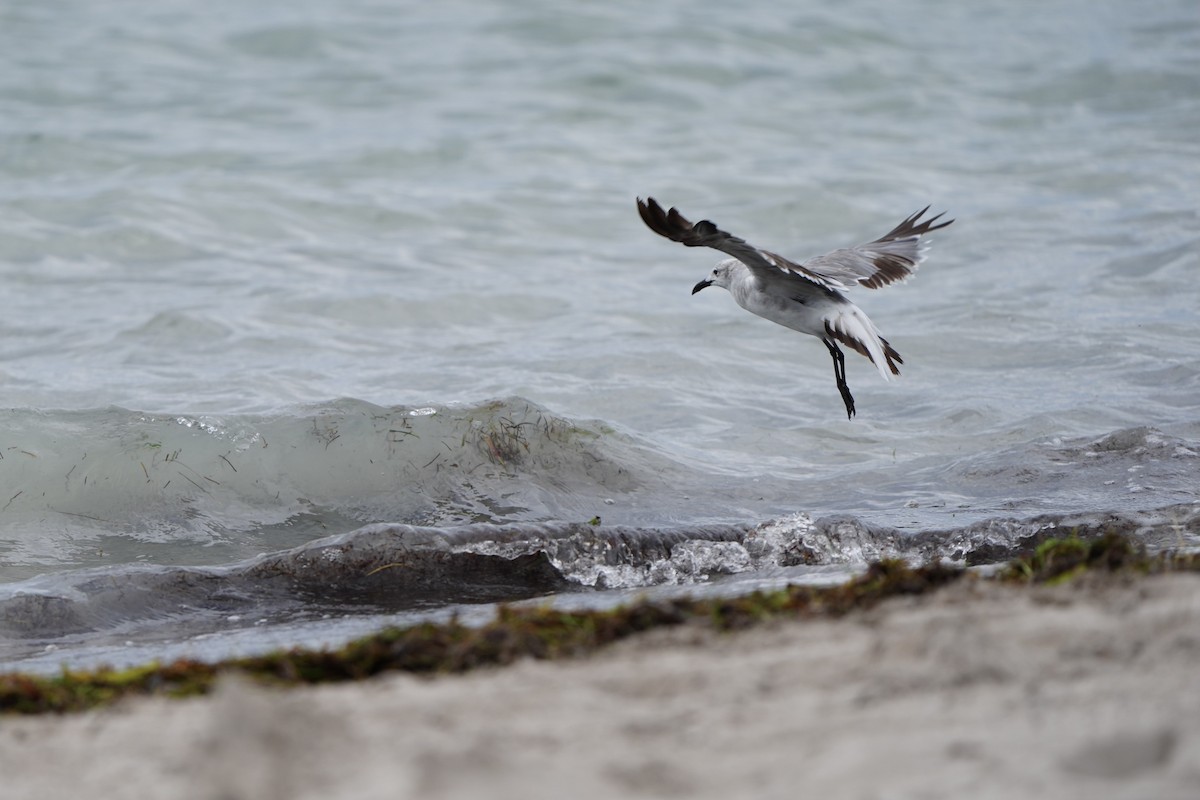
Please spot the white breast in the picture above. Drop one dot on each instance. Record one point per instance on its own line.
(805, 311)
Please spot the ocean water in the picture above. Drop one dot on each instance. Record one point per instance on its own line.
(324, 316)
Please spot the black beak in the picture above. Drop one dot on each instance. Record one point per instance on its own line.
(701, 285)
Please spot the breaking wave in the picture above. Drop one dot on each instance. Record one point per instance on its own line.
(82, 488)
(396, 567)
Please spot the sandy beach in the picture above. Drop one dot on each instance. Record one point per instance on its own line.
(1088, 691)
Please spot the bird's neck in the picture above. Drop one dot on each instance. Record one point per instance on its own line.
(742, 282)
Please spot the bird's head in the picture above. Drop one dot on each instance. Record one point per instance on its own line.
(718, 277)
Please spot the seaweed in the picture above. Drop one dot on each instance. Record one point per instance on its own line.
(1060, 560)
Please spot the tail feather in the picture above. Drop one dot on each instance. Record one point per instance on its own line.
(854, 329)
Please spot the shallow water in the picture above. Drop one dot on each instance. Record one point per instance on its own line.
(271, 276)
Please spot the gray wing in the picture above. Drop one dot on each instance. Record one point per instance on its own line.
(767, 266)
(890, 258)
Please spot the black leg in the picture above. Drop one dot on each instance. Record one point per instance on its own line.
(839, 374)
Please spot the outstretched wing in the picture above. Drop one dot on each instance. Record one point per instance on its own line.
(764, 264)
(890, 258)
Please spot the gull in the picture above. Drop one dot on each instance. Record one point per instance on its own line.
(808, 297)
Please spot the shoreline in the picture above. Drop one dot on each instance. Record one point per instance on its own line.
(544, 632)
(1070, 691)
(1085, 688)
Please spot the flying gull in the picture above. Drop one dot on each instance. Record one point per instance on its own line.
(808, 297)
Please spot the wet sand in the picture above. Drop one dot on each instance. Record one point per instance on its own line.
(1088, 691)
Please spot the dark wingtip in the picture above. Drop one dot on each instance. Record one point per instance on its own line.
(927, 225)
(653, 215)
(678, 221)
(669, 224)
(912, 226)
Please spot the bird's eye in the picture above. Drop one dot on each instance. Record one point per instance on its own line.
(714, 272)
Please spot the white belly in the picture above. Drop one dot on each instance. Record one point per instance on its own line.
(807, 315)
